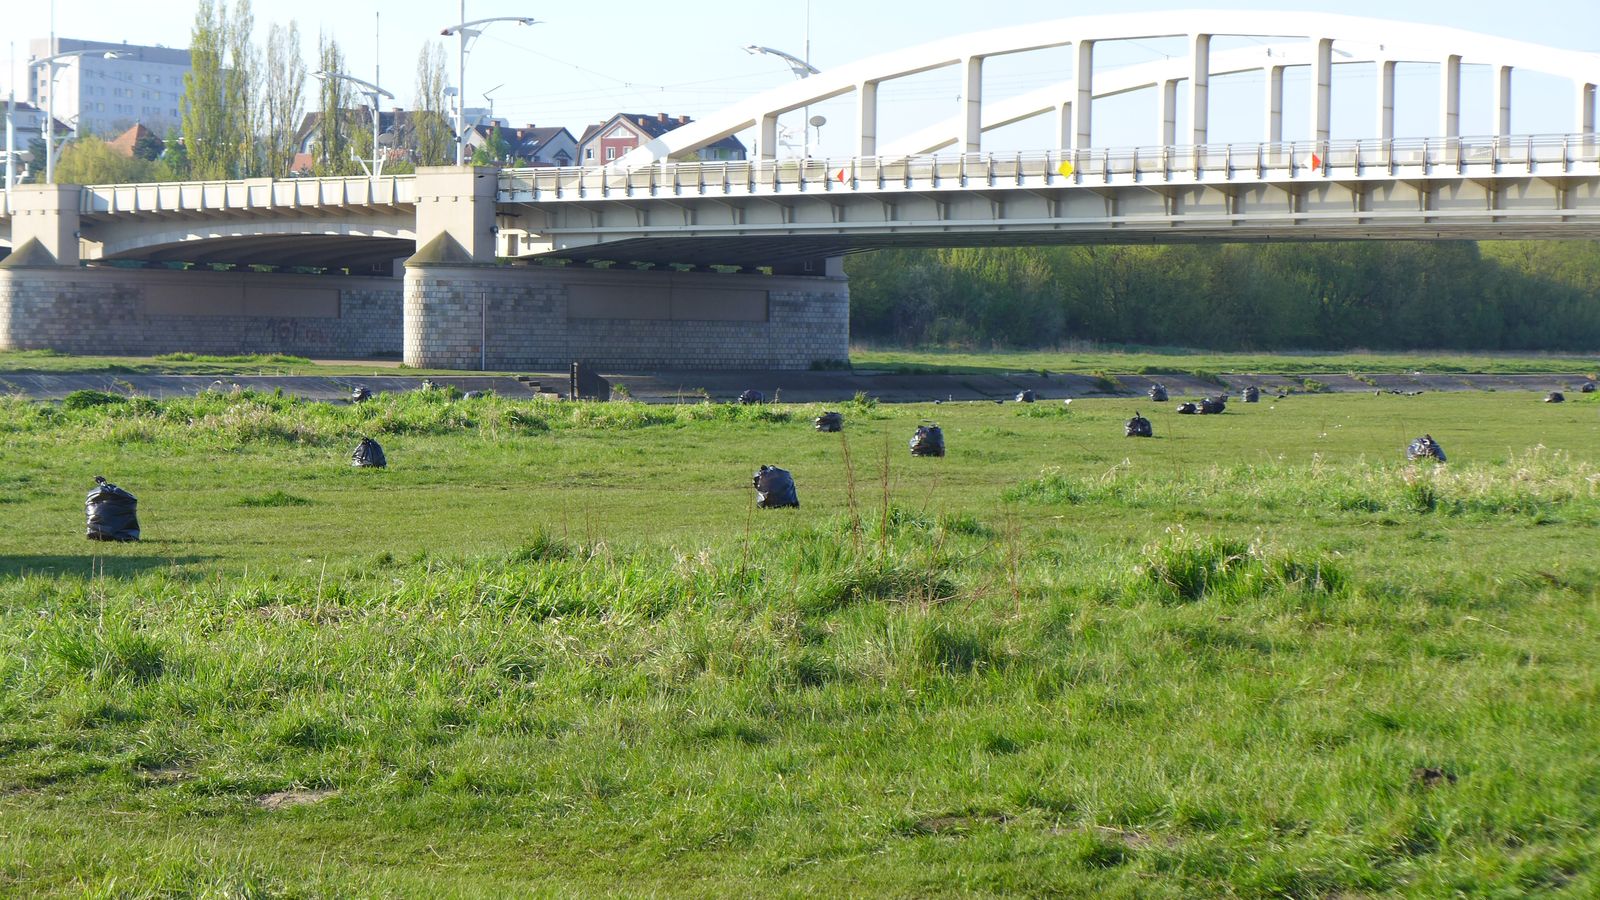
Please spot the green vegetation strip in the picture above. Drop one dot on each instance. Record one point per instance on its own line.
(553, 649)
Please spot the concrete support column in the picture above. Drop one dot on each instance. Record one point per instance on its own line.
(1386, 99)
(1585, 119)
(456, 213)
(1169, 112)
(1450, 97)
(1064, 126)
(767, 139)
(972, 106)
(1083, 121)
(1502, 101)
(1322, 91)
(1200, 89)
(867, 118)
(1274, 104)
(47, 216)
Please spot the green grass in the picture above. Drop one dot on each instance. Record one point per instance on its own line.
(554, 650)
(1208, 364)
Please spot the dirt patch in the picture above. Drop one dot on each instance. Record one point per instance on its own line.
(956, 824)
(165, 775)
(286, 799)
(1430, 777)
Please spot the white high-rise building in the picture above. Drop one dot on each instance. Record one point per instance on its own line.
(105, 97)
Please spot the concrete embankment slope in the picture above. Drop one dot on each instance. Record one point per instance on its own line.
(797, 387)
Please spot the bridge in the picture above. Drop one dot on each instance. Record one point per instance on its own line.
(653, 261)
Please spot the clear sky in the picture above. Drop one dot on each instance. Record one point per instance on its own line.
(587, 61)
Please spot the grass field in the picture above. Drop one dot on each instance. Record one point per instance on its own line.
(1205, 363)
(554, 650)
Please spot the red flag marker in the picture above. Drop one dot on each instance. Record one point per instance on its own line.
(841, 176)
(1316, 162)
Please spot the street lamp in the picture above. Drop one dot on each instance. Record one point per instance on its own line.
(468, 31)
(51, 65)
(372, 91)
(802, 69)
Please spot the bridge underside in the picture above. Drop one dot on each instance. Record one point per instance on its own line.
(376, 254)
(787, 253)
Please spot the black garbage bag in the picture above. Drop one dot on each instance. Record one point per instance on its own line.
(1588, 388)
(1026, 396)
(928, 441)
(368, 455)
(1251, 394)
(829, 422)
(1187, 409)
(774, 488)
(360, 394)
(1555, 397)
(1138, 426)
(750, 397)
(113, 513)
(1158, 392)
(1211, 406)
(1425, 447)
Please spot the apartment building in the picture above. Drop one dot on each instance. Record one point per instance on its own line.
(105, 97)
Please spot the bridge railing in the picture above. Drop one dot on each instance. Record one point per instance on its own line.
(1433, 157)
(256, 193)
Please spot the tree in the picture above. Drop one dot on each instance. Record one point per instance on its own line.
(493, 152)
(434, 136)
(148, 148)
(90, 160)
(240, 92)
(218, 101)
(333, 144)
(207, 126)
(283, 94)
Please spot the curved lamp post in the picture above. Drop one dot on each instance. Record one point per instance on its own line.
(373, 92)
(468, 31)
(801, 69)
(52, 64)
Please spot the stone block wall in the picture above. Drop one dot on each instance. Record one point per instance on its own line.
(134, 312)
(547, 317)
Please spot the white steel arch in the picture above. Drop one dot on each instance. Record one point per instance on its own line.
(1383, 41)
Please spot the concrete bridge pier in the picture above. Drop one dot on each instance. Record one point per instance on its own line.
(466, 310)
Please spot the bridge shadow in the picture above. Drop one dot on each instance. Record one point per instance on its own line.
(89, 565)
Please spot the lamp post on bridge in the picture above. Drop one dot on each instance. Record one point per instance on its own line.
(468, 32)
(53, 64)
(802, 69)
(373, 92)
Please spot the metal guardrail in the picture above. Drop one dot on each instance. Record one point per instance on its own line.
(257, 193)
(1437, 157)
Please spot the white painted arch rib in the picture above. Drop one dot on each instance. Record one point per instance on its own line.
(1431, 42)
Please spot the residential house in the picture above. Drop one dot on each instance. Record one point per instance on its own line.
(608, 141)
(27, 126)
(128, 142)
(530, 145)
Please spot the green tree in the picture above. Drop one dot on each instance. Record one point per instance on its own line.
(435, 141)
(91, 160)
(149, 148)
(493, 152)
(283, 84)
(218, 92)
(334, 102)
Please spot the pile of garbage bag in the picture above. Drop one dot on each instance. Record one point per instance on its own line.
(774, 488)
(113, 513)
(928, 441)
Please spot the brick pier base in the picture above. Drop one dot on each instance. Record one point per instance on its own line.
(143, 312)
(539, 317)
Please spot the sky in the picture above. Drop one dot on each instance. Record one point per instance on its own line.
(587, 61)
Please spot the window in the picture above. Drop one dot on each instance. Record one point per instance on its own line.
(611, 153)
(588, 153)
